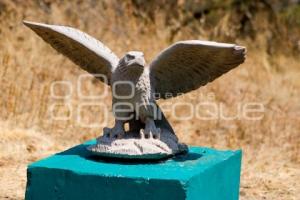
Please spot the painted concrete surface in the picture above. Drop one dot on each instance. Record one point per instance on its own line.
(203, 173)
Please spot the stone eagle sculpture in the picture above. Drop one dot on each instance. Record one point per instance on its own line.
(180, 68)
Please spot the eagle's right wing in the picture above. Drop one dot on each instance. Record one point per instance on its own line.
(84, 50)
(188, 65)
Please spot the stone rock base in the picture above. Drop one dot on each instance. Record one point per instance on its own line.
(132, 146)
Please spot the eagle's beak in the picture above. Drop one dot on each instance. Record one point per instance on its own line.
(138, 62)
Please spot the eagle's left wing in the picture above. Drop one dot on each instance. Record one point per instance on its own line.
(84, 50)
(187, 65)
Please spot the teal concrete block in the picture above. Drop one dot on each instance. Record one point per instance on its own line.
(202, 174)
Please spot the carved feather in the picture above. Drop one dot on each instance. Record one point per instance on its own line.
(87, 52)
(188, 65)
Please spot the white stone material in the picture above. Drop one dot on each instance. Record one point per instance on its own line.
(133, 146)
(180, 68)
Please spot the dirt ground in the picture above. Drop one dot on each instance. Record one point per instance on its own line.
(269, 77)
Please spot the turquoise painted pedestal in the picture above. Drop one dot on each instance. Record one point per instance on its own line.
(202, 174)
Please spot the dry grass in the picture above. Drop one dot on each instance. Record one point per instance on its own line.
(271, 161)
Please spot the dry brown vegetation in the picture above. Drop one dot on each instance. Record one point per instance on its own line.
(270, 75)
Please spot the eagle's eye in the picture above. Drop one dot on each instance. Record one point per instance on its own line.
(130, 57)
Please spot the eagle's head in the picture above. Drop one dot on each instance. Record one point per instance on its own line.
(133, 61)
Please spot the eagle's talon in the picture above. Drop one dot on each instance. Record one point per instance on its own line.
(120, 136)
(116, 134)
(156, 135)
(152, 133)
(147, 135)
(142, 134)
(106, 132)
